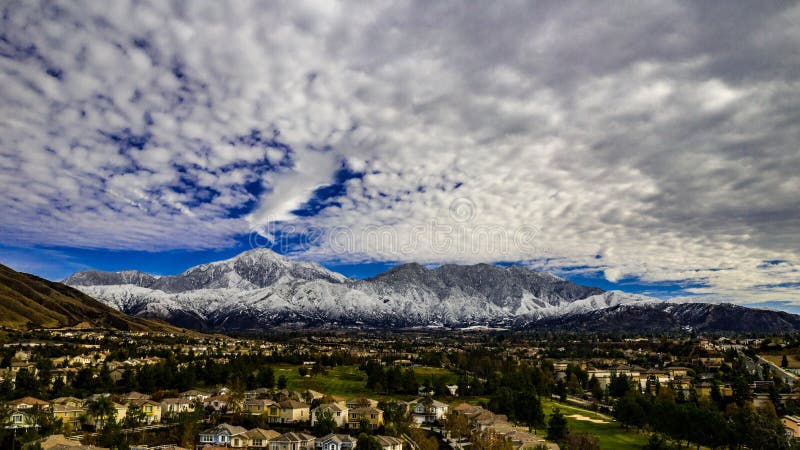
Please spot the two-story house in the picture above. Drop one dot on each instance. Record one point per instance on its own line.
(335, 442)
(337, 411)
(373, 417)
(70, 416)
(150, 409)
(29, 403)
(260, 406)
(293, 411)
(176, 405)
(390, 442)
(428, 411)
(221, 434)
(255, 438)
(292, 441)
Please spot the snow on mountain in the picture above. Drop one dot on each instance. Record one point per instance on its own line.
(259, 288)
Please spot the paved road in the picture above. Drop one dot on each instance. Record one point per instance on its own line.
(788, 377)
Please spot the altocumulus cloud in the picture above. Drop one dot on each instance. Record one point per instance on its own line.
(653, 140)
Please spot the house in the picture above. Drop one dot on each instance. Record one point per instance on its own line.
(372, 416)
(467, 409)
(220, 434)
(293, 411)
(335, 442)
(338, 413)
(133, 395)
(150, 409)
(218, 402)
(390, 443)
(28, 403)
(428, 411)
(703, 389)
(361, 401)
(257, 393)
(80, 360)
(677, 371)
(310, 395)
(67, 401)
(195, 395)
(650, 378)
(116, 374)
(603, 376)
(16, 366)
(176, 405)
(21, 419)
(792, 426)
(292, 441)
(70, 416)
(260, 406)
(255, 438)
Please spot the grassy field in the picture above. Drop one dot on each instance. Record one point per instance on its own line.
(347, 381)
(794, 360)
(611, 434)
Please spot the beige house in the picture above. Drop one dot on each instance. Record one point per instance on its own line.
(255, 438)
(337, 410)
(293, 411)
(292, 441)
(390, 443)
(174, 406)
(792, 425)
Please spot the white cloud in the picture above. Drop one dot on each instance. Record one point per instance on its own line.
(653, 136)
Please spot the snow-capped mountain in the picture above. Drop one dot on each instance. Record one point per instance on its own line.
(260, 288)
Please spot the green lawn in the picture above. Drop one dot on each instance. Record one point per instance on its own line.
(344, 381)
(347, 381)
(611, 434)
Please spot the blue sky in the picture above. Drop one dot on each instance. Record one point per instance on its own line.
(651, 148)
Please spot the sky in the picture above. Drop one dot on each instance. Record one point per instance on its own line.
(649, 146)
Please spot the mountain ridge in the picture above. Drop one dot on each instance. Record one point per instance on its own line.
(260, 289)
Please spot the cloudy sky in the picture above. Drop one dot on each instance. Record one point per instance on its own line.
(648, 146)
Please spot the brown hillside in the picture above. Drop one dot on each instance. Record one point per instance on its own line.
(29, 301)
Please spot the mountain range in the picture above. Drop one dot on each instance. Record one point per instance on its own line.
(259, 289)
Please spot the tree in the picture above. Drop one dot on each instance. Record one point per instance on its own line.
(528, 409)
(134, 416)
(629, 411)
(784, 362)
(26, 384)
(266, 377)
(368, 443)
(657, 442)
(324, 423)
(423, 441)
(101, 410)
(282, 382)
(582, 441)
(490, 440)
(618, 386)
(457, 425)
(557, 428)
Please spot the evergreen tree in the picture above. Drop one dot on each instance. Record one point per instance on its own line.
(557, 427)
